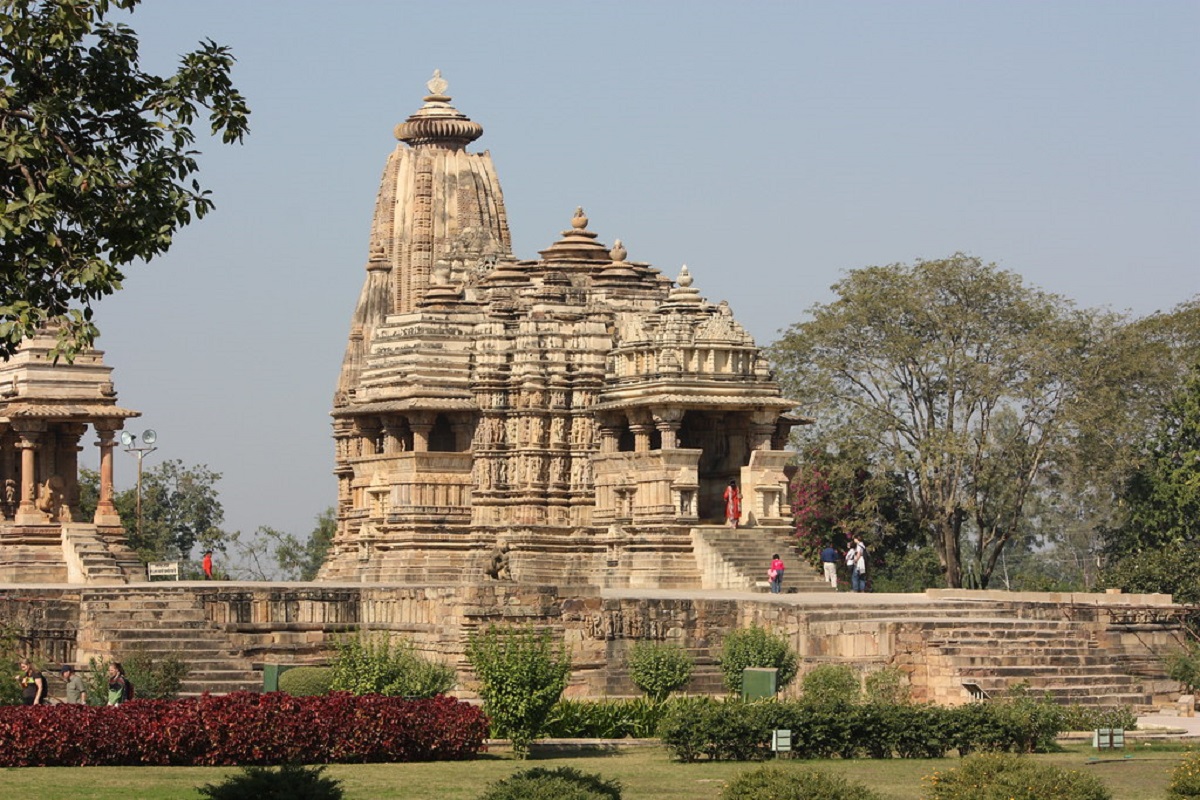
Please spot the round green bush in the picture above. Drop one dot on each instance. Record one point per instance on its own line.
(289, 782)
(776, 783)
(831, 684)
(563, 783)
(659, 668)
(1185, 780)
(999, 776)
(306, 681)
(757, 647)
(888, 685)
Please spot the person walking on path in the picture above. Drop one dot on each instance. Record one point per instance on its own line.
(856, 559)
(76, 690)
(118, 685)
(206, 564)
(829, 559)
(733, 504)
(775, 574)
(33, 684)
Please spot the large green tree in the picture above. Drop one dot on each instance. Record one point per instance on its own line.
(97, 159)
(272, 554)
(954, 376)
(180, 510)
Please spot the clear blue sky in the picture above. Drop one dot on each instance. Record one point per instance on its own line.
(768, 145)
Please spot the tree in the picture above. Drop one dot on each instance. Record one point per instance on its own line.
(271, 554)
(98, 159)
(952, 375)
(522, 673)
(1156, 548)
(659, 668)
(180, 509)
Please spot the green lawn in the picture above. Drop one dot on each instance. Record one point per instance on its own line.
(646, 773)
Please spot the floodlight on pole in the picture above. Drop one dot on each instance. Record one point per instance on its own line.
(129, 441)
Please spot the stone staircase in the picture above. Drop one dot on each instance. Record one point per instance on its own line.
(118, 622)
(93, 558)
(738, 558)
(1047, 657)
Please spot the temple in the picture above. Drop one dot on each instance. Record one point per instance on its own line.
(571, 418)
(46, 408)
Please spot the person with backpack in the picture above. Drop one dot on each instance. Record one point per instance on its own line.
(120, 688)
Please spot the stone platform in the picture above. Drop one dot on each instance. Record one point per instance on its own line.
(1103, 649)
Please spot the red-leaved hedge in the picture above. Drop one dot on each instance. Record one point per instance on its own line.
(243, 728)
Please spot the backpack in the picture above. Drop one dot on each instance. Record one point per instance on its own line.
(128, 694)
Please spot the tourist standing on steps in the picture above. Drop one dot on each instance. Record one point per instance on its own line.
(118, 686)
(206, 563)
(857, 560)
(33, 684)
(76, 690)
(775, 574)
(733, 504)
(829, 559)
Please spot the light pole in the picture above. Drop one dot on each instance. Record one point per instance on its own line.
(129, 441)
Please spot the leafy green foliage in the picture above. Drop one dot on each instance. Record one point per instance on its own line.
(756, 647)
(377, 664)
(659, 668)
(1156, 549)
(301, 561)
(1185, 779)
(152, 678)
(779, 784)
(10, 689)
(1008, 777)
(1183, 665)
(288, 782)
(181, 509)
(98, 159)
(954, 377)
(729, 730)
(831, 684)
(522, 673)
(637, 718)
(560, 783)
(888, 685)
(306, 681)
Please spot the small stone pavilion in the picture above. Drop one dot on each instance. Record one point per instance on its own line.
(568, 418)
(45, 411)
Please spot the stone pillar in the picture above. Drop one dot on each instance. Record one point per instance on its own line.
(464, 431)
(27, 513)
(668, 420)
(106, 512)
(68, 445)
(392, 443)
(421, 423)
(641, 436)
(762, 429)
(609, 438)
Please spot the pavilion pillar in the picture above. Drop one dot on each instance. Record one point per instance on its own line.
(28, 442)
(668, 421)
(106, 512)
(421, 424)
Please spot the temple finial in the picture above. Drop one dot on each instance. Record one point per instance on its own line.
(437, 84)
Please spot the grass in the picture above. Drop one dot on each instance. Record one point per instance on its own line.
(646, 773)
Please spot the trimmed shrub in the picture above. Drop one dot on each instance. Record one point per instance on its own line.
(306, 681)
(1185, 779)
(637, 718)
(718, 730)
(831, 684)
(523, 674)
(659, 668)
(1018, 725)
(377, 664)
(289, 782)
(756, 647)
(780, 784)
(1088, 718)
(152, 679)
(888, 685)
(242, 729)
(995, 776)
(562, 783)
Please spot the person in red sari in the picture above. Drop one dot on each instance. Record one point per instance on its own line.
(733, 504)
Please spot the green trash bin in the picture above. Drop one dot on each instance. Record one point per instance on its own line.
(271, 673)
(758, 682)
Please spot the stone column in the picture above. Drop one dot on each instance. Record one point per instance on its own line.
(392, 443)
(68, 444)
(668, 420)
(27, 513)
(106, 512)
(421, 423)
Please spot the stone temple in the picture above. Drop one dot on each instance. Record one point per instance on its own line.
(574, 417)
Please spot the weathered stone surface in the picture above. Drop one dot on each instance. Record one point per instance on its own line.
(565, 419)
